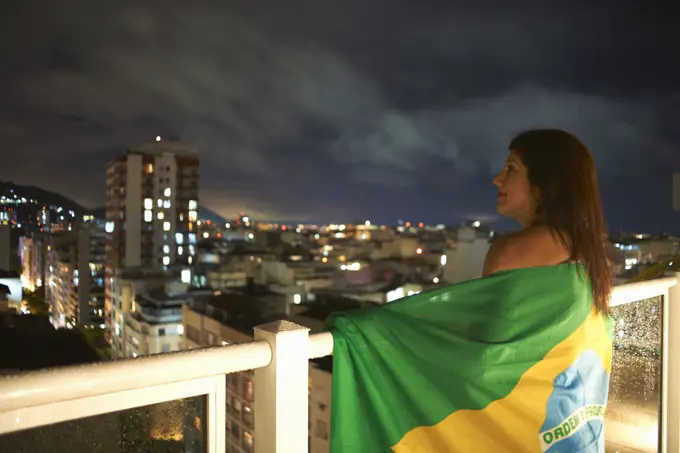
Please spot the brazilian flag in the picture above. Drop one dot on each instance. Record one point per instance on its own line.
(515, 362)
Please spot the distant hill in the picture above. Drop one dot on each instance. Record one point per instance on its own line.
(203, 214)
(206, 214)
(39, 196)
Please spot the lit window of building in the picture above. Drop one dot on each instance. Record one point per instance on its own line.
(167, 192)
(193, 216)
(166, 260)
(193, 205)
(166, 226)
(148, 203)
(148, 216)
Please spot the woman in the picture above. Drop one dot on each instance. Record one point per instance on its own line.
(549, 185)
(516, 362)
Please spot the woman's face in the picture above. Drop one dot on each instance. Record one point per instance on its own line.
(516, 199)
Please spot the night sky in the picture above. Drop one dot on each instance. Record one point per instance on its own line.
(343, 110)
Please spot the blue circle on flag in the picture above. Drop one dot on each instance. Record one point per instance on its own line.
(574, 418)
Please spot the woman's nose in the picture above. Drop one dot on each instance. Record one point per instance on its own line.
(497, 181)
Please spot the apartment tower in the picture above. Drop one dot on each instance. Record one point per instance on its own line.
(151, 210)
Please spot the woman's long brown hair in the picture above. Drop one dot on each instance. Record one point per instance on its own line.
(562, 169)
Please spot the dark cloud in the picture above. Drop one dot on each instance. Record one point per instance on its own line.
(306, 110)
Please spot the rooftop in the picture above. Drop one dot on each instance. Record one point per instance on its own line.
(32, 343)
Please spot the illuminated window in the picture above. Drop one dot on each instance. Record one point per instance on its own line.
(148, 203)
(166, 249)
(179, 239)
(160, 203)
(148, 216)
(167, 192)
(193, 216)
(149, 169)
(181, 217)
(161, 215)
(166, 260)
(166, 226)
(166, 204)
(180, 250)
(193, 205)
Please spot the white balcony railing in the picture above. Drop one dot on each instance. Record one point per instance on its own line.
(280, 357)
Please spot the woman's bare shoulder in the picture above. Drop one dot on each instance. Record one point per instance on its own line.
(530, 247)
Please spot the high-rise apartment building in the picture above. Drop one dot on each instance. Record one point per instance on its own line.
(33, 256)
(75, 276)
(151, 209)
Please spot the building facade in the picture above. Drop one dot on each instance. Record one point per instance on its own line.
(124, 287)
(75, 276)
(33, 256)
(151, 210)
(154, 324)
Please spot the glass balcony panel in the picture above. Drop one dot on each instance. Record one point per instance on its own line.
(632, 419)
(171, 426)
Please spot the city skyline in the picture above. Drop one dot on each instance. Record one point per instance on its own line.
(342, 112)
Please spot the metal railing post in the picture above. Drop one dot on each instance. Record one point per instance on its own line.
(671, 418)
(281, 390)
